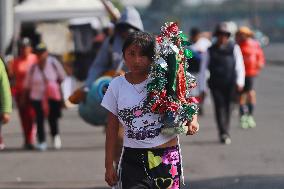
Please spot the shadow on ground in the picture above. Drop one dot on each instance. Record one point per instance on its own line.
(51, 150)
(237, 182)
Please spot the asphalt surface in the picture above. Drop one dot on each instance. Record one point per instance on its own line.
(254, 160)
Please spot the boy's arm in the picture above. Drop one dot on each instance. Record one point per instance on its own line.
(5, 91)
(111, 140)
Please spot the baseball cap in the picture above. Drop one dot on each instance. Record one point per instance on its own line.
(41, 47)
(222, 28)
(24, 42)
(245, 30)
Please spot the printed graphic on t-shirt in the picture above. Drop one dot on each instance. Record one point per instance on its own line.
(141, 123)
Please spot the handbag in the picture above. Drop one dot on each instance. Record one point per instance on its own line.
(52, 89)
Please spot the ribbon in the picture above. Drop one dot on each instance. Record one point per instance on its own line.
(181, 84)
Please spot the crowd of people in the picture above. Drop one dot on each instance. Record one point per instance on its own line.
(36, 86)
(226, 65)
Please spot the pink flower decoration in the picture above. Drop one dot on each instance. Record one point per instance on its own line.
(173, 171)
(137, 113)
(172, 157)
(175, 184)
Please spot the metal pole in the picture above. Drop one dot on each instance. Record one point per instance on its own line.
(2, 9)
(6, 24)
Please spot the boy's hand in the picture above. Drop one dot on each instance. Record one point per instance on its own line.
(5, 118)
(110, 176)
(193, 126)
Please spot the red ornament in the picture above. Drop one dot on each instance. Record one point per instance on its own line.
(195, 100)
(159, 39)
(181, 84)
(163, 94)
(172, 106)
(173, 28)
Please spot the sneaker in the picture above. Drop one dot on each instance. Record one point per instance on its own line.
(244, 122)
(225, 139)
(2, 146)
(28, 146)
(42, 146)
(251, 122)
(57, 142)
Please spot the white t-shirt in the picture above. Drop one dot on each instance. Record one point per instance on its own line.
(142, 128)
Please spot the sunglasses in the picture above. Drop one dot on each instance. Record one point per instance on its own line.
(220, 33)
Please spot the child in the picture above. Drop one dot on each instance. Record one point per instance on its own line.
(5, 100)
(149, 159)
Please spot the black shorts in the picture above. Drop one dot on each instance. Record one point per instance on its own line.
(150, 168)
(249, 81)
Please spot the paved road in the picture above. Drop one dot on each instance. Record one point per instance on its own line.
(254, 160)
(274, 53)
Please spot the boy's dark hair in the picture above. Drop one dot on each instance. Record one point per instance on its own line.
(144, 40)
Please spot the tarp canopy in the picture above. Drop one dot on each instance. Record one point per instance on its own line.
(39, 10)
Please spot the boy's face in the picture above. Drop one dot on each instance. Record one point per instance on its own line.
(136, 61)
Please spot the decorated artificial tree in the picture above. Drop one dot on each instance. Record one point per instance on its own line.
(170, 83)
